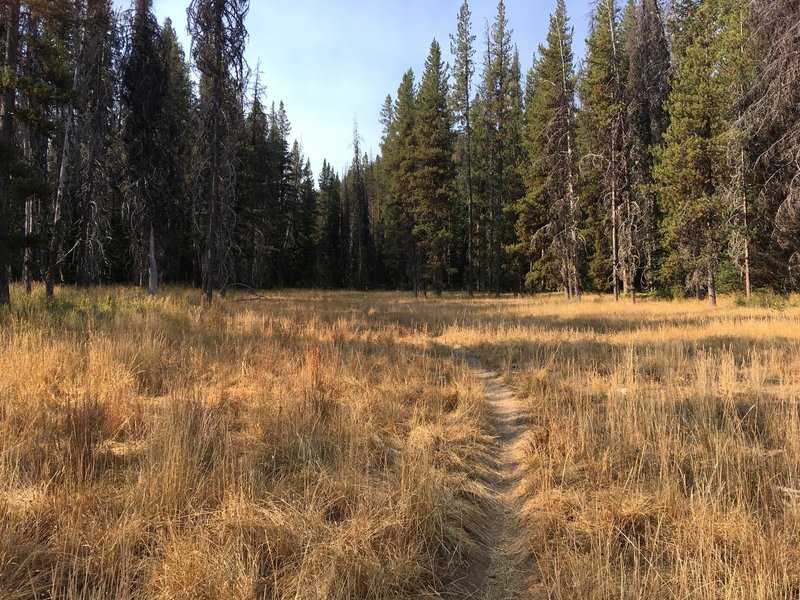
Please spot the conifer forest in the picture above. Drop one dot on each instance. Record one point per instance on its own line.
(665, 161)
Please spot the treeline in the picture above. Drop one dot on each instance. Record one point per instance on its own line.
(118, 165)
(668, 162)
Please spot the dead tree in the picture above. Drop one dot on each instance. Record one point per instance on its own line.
(218, 43)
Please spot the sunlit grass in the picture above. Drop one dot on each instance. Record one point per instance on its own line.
(327, 445)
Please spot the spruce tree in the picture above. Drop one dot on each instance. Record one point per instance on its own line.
(693, 169)
(462, 48)
(432, 184)
(604, 138)
(144, 89)
(550, 171)
(647, 90)
(218, 41)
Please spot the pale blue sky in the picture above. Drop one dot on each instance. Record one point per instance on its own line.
(333, 62)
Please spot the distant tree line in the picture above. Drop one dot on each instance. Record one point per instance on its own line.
(668, 162)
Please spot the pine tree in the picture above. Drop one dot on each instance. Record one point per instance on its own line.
(327, 231)
(10, 16)
(647, 90)
(434, 171)
(462, 48)
(144, 90)
(604, 137)
(252, 189)
(356, 218)
(59, 204)
(498, 134)
(92, 187)
(693, 168)
(218, 41)
(178, 135)
(550, 172)
(398, 150)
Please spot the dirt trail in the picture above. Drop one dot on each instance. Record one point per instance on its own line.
(498, 574)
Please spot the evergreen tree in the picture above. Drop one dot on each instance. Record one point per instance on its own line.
(356, 218)
(462, 48)
(434, 172)
(177, 239)
(252, 189)
(499, 133)
(397, 149)
(693, 171)
(550, 172)
(144, 90)
(10, 17)
(327, 230)
(604, 139)
(218, 40)
(647, 90)
(92, 186)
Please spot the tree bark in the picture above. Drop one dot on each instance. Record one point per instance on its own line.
(614, 243)
(58, 224)
(712, 287)
(470, 286)
(153, 263)
(7, 109)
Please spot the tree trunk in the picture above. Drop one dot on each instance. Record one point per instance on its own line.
(712, 287)
(7, 109)
(747, 285)
(211, 225)
(614, 243)
(27, 261)
(470, 286)
(58, 225)
(153, 263)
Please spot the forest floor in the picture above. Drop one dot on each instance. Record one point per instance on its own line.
(343, 445)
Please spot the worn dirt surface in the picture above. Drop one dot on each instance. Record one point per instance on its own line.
(500, 572)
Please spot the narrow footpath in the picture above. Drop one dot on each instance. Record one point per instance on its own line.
(498, 573)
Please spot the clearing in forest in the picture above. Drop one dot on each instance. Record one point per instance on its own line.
(346, 445)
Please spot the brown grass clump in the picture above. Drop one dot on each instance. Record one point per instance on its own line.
(663, 452)
(328, 445)
(299, 447)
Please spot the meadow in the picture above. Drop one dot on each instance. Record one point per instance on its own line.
(334, 445)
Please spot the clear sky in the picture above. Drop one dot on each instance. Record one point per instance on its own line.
(335, 61)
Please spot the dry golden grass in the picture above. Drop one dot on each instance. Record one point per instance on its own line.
(298, 447)
(328, 445)
(664, 447)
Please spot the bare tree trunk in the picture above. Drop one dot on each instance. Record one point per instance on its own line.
(27, 261)
(7, 110)
(712, 287)
(470, 285)
(630, 262)
(572, 206)
(747, 286)
(58, 224)
(614, 243)
(210, 258)
(153, 263)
